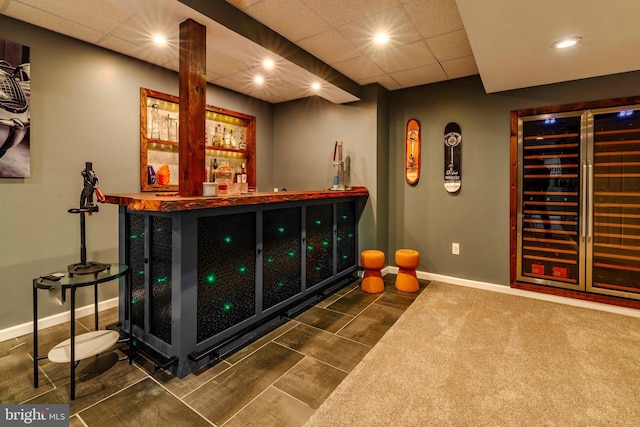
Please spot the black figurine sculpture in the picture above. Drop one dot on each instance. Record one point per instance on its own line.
(91, 184)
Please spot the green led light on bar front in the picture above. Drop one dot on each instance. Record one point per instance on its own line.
(318, 222)
(227, 306)
(344, 217)
(141, 272)
(292, 253)
(309, 247)
(133, 236)
(163, 279)
(227, 239)
(281, 229)
(325, 243)
(242, 269)
(280, 284)
(270, 260)
(211, 278)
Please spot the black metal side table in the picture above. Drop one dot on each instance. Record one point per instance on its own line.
(85, 345)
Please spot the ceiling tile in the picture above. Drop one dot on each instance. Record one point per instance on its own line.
(288, 91)
(290, 18)
(359, 68)
(403, 57)
(460, 67)
(211, 76)
(330, 46)
(119, 45)
(450, 46)
(420, 76)
(386, 80)
(137, 31)
(434, 17)
(222, 64)
(153, 56)
(52, 22)
(338, 13)
(97, 14)
(394, 21)
(249, 88)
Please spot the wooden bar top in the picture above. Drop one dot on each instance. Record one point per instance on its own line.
(171, 202)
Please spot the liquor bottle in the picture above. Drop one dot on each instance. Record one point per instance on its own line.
(155, 121)
(227, 137)
(151, 175)
(216, 136)
(244, 174)
(212, 170)
(232, 137)
(238, 175)
(215, 164)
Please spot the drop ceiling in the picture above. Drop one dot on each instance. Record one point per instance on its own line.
(330, 41)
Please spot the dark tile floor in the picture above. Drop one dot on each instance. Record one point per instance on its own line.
(278, 380)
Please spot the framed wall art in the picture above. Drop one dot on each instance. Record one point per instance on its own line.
(15, 113)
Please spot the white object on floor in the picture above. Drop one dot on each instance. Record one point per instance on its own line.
(87, 345)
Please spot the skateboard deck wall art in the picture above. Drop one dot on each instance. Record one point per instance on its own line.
(412, 152)
(452, 157)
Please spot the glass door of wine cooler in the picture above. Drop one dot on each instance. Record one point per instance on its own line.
(613, 254)
(551, 188)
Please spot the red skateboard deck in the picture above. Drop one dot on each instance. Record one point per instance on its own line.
(412, 152)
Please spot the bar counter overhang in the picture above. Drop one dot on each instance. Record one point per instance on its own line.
(212, 273)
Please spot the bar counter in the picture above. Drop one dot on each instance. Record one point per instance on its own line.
(171, 202)
(210, 274)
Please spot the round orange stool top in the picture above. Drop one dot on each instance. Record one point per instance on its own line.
(407, 258)
(372, 259)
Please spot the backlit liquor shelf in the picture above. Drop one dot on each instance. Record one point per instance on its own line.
(576, 198)
(211, 273)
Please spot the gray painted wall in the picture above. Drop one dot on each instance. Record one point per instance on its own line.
(305, 131)
(85, 107)
(429, 219)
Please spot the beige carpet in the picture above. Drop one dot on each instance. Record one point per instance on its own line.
(467, 357)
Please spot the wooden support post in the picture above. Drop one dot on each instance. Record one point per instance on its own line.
(192, 107)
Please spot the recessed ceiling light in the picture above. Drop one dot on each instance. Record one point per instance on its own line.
(259, 79)
(564, 43)
(159, 39)
(315, 86)
(268, 64)
(381, 38)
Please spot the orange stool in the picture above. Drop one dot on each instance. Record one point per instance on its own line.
(407, 260)
(372, 261)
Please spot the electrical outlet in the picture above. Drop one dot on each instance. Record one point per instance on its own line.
(455, 248)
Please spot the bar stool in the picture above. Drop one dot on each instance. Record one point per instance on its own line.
(407, 260)
(372, 261)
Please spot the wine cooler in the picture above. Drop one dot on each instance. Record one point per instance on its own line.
(578, 200)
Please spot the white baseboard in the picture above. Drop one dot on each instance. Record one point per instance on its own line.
(56, 319)
(521, 292)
